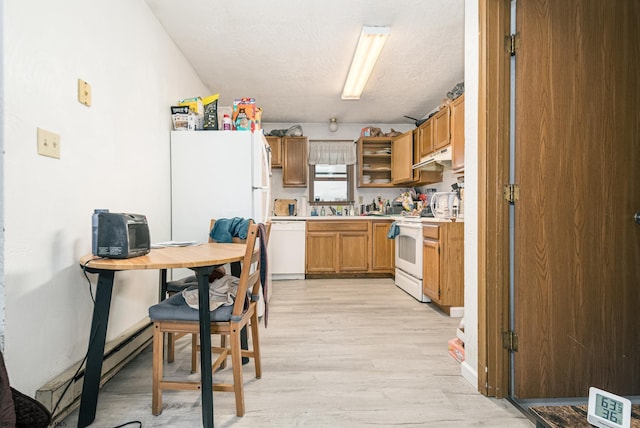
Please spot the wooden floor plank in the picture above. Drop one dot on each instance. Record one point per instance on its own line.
(336, 353)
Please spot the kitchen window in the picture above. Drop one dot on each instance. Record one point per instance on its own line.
(332, 171)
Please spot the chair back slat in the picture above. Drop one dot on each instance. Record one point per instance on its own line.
(249, 276)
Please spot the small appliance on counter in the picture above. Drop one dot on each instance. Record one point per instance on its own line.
(444, 204)
(426, 211)
(122, 235)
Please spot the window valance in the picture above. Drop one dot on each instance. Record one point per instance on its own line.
(332, 152)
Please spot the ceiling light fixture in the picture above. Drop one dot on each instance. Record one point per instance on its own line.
(333, 124)
(370, 44)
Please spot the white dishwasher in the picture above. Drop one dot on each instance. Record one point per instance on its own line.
(287, 249)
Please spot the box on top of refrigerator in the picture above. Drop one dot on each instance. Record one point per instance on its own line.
(246, 116)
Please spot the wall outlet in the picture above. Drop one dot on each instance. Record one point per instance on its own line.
(48, 143)
(84, 92)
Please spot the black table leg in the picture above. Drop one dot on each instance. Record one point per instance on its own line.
(162, 286)
(97, 337)
(206, 380)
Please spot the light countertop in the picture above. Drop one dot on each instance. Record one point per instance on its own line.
(361, 217)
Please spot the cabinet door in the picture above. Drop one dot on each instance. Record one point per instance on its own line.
(452, 262)
(420, 176)
(276, 151)
(383, 248)
(425, 137)
(402, 158)
(441, 129)
(294, 162)
(321, 252)
(354, 252)
(457, 134)
(431, 269)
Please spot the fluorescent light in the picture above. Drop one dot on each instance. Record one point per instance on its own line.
(370, 44)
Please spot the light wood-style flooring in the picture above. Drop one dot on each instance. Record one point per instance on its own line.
(335, 353)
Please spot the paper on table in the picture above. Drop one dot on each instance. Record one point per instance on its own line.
(174, 244)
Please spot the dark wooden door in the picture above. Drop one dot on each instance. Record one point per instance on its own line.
(577, 162)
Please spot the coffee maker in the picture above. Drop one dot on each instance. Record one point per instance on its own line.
(426, 209)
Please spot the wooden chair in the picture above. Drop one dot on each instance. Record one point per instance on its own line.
(226, 321)
(178, 286)
(173, 287)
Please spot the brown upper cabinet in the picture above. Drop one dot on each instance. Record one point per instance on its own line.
(402, 158)
(294, 162)
(405, 154)
(425, 138)
(276, 151)
(434, 133)
(441, 128)
(457, 134)
(444, 128)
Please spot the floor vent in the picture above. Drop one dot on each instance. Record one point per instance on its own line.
(117, 353)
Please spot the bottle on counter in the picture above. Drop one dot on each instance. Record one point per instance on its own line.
(226, 123)
(322, 211)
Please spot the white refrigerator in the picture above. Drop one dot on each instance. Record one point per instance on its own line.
(217, 174)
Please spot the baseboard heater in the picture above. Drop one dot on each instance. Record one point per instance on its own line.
(117, 353)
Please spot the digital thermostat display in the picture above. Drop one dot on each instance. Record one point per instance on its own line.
(607, 410)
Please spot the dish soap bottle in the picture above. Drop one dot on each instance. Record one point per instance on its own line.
(322, 211)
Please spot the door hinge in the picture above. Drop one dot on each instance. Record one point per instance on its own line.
(512, 43)
(511, 193)
(510, 340)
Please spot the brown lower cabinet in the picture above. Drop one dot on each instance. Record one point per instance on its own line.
(443, 264)
(383, 249)
(348, 248)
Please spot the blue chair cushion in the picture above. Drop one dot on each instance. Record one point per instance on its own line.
(175, 308)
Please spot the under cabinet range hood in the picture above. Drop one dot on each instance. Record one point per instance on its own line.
(435, 161)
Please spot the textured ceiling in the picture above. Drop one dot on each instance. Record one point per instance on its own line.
(292, 56)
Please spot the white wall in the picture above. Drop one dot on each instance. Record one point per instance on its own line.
(114, 154)
(2, 293)
(471, 69)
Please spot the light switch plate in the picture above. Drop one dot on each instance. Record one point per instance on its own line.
(48, 143)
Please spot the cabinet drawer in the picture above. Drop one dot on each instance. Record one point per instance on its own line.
(431, 231)
(337, 226)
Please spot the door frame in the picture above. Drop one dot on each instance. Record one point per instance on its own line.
(493, 209)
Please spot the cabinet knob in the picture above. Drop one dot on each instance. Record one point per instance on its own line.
(636, 217)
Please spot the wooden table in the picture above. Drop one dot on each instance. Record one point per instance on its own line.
(202, 259)
(571, 416)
